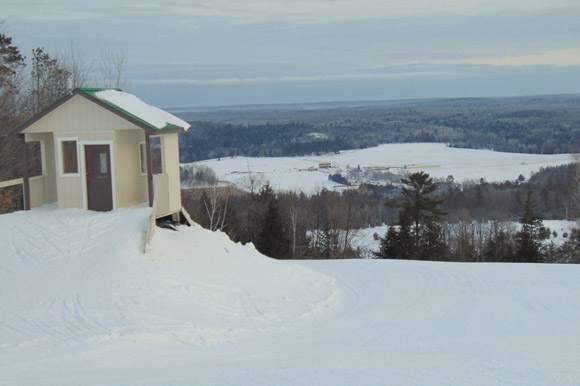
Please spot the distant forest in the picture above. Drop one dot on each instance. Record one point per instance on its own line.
(539, 124)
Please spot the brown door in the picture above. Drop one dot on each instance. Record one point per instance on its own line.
(99, 185)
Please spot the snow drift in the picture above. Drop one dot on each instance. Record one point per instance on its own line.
(81, 304)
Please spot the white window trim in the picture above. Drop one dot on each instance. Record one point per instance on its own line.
(61, 172)
(83, 166)
(144, 144)
(43, 156)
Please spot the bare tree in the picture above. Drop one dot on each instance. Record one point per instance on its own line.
(293, 212)
(216, 207)
(111, 66)
(74, 62)
(253, 182)
(349, 221)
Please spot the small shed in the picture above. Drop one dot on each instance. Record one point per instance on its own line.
(103, 149)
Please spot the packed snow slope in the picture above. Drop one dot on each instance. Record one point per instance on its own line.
(81, 305)
(440, 161)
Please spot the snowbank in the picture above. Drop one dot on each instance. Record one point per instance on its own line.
(77, 277)
(82, 305)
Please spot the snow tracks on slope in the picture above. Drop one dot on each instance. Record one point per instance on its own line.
(76, 277)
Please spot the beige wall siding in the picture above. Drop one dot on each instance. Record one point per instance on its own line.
(131, 185)
(49, 160)
(79, 114)
(70, 192)
(161, 201)
(37, 191)
(171, 161)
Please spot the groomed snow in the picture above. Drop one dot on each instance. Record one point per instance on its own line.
(82, 305)
(135, 106)
(440, 161)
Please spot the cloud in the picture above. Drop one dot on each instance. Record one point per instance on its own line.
(266, 80)
(561, 58)
(247, 11)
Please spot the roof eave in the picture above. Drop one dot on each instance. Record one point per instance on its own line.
(23, 126)
(148, 129)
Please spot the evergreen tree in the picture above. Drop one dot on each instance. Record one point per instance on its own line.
(420, 208)
(49, 80)
(398, 242)
(328, 244)
(419, 234)
(272, 239)
(499, 247)
(529, 239)
(11, 66)
(433, 245)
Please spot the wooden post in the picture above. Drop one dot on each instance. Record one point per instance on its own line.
(149, 168)
(25, 179)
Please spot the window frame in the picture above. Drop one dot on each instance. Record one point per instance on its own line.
(60, 149)
(156, 146)
(143, 164)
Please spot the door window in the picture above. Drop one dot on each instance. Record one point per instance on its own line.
(103, 163)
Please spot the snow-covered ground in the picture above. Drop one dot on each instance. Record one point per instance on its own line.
(81, 305)
(440, 161)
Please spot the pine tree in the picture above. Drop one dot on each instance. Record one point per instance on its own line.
(272, 239)
(11, 66)
(49, 80)
(418, 235)
(529, 239)
(398, 242)
(419, 207)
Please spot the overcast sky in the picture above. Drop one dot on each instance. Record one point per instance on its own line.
(222, 52)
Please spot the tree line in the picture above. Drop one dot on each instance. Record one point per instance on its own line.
(428, 220)
(543, 125)
(422, 234)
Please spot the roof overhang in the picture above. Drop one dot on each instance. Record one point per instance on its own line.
(149, 130)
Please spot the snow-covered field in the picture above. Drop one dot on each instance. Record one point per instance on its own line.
(440, 161)
(81, 305)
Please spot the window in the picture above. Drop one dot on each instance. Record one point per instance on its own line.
(70, 164)
(143, 158)
(156, 155)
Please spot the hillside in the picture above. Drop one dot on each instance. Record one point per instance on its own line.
(547, 124)
(82, 305)
(440, 161)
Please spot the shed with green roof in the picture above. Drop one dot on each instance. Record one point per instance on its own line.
(103, 149)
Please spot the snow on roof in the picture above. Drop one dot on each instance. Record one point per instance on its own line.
(128, 103)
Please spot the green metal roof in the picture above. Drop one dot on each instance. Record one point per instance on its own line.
(93, 91)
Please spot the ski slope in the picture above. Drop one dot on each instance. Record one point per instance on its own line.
(82, 305)
(440, 161)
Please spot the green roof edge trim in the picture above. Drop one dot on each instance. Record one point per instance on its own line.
(91, 91)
